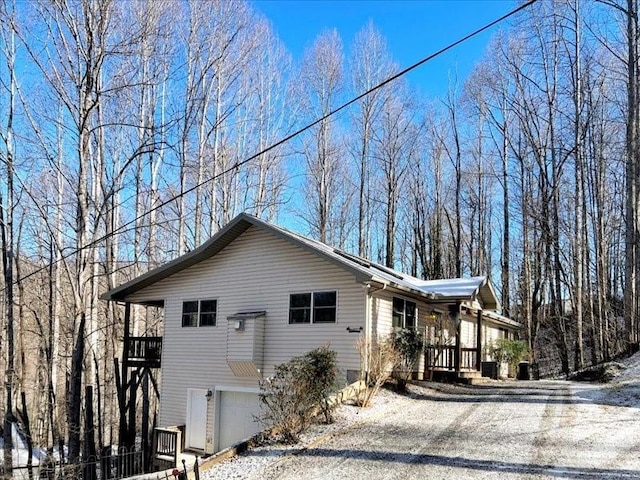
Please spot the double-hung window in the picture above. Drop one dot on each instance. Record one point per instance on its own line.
(199, 313)
(404, 313)
(312, 307)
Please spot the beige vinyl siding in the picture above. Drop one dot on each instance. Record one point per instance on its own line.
(381, 309)
(255, 272)
(489, 336)
(490, 333)
(246, 344)
(381, 312)
(468, 335)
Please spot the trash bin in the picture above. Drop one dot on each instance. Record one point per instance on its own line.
(490, 370)
(523, 371)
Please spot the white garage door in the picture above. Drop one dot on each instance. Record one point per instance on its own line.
(237, 417)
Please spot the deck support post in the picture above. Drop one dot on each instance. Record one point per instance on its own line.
(124, 381)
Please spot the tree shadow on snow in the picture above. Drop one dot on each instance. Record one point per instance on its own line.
(556, 392)
(547, 471)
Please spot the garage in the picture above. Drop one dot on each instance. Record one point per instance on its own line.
(236, 419)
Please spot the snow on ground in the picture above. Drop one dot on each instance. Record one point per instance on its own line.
(502, 429)
(550, 429)
(345, 417)
(624, 387)
(20, 451)
(631, 372)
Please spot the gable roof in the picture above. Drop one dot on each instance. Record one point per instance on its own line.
(364, 270)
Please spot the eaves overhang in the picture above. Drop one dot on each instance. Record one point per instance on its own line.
(213, 246)
(208, 249)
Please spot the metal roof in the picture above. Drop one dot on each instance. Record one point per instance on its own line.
(501, 319)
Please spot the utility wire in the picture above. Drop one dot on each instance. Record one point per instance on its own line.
(282, 141)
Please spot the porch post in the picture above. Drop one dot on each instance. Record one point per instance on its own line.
(479, 342)
(456, 353)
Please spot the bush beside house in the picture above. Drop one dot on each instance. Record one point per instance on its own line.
(291, 397)
(509, 351)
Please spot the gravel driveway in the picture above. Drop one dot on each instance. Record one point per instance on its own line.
(542, 429)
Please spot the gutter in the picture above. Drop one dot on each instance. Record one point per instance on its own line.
(431, 296)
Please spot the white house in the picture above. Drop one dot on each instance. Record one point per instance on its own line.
(255, 295)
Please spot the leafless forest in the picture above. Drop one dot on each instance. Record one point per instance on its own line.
(125, 127)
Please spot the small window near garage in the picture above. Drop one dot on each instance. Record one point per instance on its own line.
(199, 313)
(313, 307)
(404, 313)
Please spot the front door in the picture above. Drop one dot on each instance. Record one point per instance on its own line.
(196, 424)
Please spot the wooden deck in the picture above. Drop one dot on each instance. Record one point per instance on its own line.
(143, 351)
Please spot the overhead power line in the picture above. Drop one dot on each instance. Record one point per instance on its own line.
(238, 164)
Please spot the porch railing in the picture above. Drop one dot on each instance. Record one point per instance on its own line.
(443, 357)
(144, 351)
(468, 358)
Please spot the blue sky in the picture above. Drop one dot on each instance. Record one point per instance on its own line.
(413, 29)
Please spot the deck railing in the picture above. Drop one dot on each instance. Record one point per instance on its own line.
(443, 357)
(144, 351)
(169, 444)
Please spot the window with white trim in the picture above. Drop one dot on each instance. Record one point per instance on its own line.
(404, 313)
(199, 313)
(313, 307)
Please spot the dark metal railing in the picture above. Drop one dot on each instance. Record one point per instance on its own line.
(112, 464)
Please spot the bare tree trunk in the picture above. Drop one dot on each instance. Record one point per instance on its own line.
(436, 243)
(506, 227)
(74, 396)
(456, 159)
(579, 221)
(6, 227)
(26, 423)
(632, 170)
(7, 245)
(370, 64)
(320, 85)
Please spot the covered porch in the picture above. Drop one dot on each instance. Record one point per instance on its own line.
(462, 326)
(457, 357)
